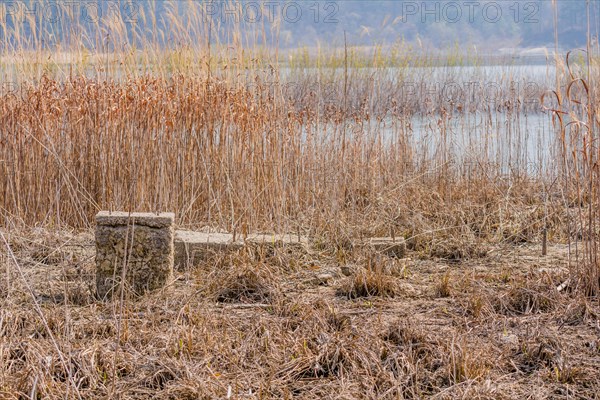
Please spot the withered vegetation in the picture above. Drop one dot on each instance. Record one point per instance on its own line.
(496, 196)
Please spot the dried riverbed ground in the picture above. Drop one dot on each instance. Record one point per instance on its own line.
(270, 324)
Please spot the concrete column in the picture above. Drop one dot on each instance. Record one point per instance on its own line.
(142, 243)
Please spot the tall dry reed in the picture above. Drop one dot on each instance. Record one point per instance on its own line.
(243, 137)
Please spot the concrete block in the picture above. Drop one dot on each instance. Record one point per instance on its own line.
(142, 243)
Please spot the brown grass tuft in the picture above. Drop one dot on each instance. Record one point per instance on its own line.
(243, 284)
(443, 287)
(367, 283)
(528, 297)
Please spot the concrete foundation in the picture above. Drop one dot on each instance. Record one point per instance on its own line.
(193, 247)
(142, 243)
(149, 248)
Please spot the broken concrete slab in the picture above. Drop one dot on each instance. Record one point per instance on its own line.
(140, 243)
(192, 247)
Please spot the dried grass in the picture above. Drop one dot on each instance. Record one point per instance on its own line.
(245, 284)
(274, 336)
(335, 158)
(368, 283)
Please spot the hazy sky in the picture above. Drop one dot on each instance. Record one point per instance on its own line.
(486, 25)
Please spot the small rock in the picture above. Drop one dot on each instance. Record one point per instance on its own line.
(408, 289)
(321, 279)
(348, 270)
(510, 339)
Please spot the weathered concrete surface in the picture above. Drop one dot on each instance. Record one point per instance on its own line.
(391, 247)
(120, 218)
(192, 247)
(142, 243)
